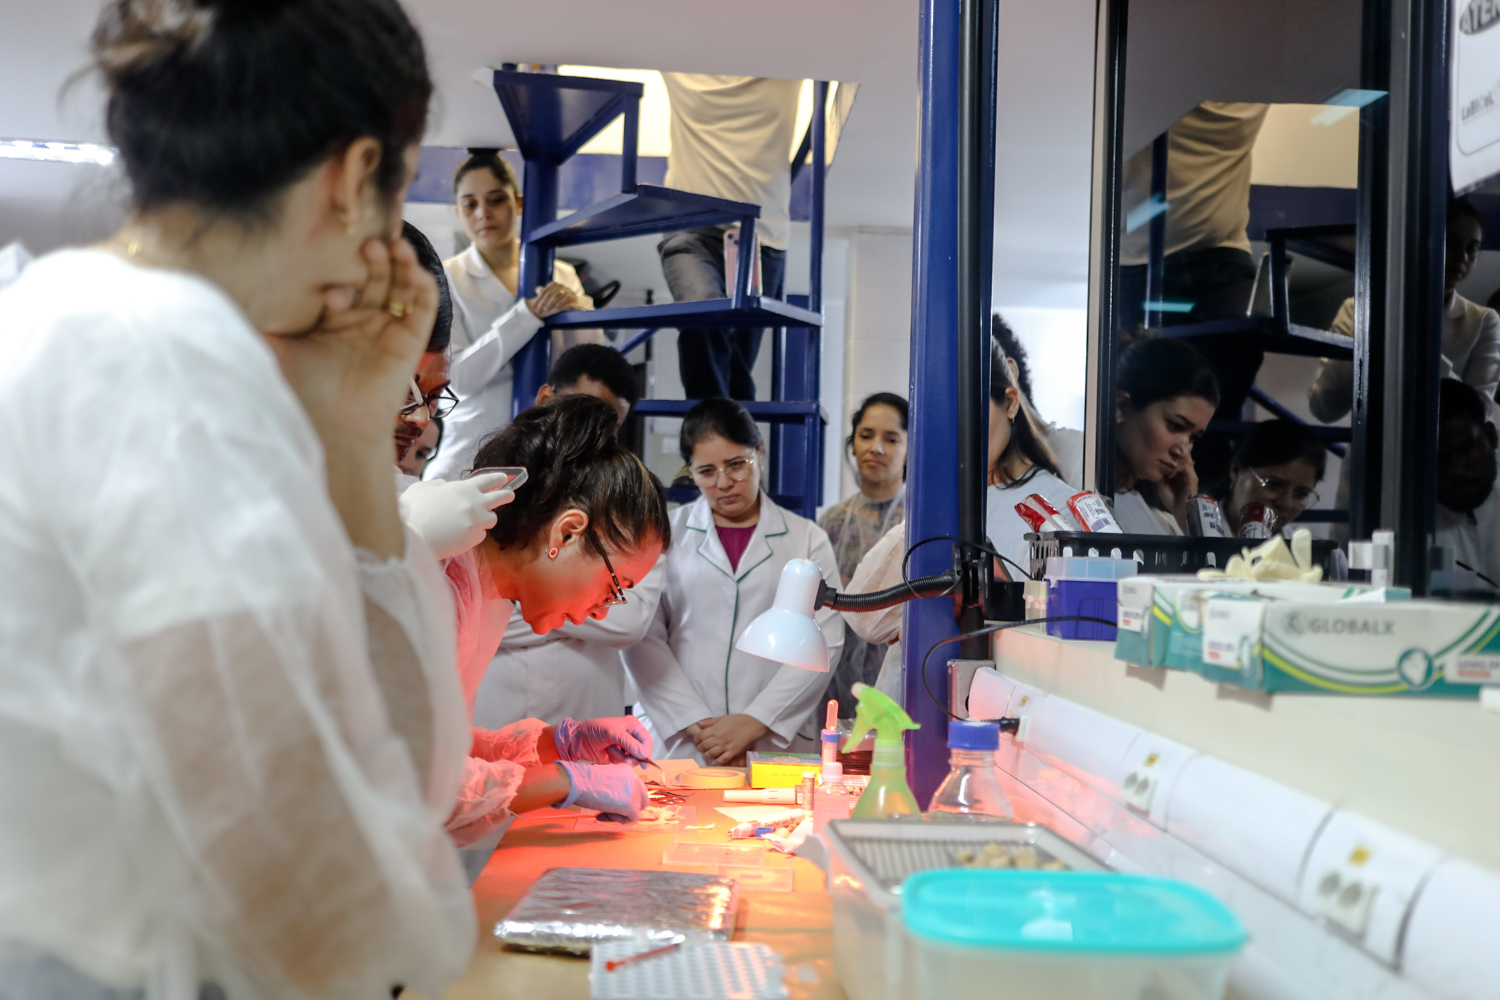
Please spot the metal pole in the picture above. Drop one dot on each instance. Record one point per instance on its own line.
(1156, 267)
(950, 297)
(819, 155)
(539, 189)
(1108, 185)
(1421, 231)
(1371, 236)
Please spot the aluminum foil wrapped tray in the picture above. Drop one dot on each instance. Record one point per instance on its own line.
(572, 909)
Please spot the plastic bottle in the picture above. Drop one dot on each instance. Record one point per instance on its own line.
(971, 787)
(832, 799)
(888, 793)
(829, 738)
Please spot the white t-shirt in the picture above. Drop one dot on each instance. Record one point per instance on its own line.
(1208, 181)
(184, 626)
(1474, 539)
(1004, 526)
(1136, 517)
(732, 138)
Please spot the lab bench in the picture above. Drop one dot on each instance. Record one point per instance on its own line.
(798, 924)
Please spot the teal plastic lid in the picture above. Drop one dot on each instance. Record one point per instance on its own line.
(1072, 912)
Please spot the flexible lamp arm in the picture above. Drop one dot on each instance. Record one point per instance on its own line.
(926, 586)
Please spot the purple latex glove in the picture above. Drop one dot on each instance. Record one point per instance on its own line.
(604, 741)
(616, 790)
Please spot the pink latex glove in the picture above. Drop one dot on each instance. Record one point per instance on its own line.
(604, 741)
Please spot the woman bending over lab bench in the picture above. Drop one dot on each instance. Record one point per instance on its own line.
(701, 694)
(587, 525)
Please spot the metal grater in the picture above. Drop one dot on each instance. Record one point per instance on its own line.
(893, 851)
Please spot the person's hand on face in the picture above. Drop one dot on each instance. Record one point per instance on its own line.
(353, 370)
(728, 738)
(1176, 489)
(1157, 444)
(555, 298)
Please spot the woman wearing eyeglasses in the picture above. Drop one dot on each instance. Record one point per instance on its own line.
(703, 696)
(592, 523)
(1279, 464)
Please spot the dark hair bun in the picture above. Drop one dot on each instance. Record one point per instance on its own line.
(222, 103)
(574, 460)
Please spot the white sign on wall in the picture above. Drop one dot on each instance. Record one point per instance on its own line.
(1474, 122)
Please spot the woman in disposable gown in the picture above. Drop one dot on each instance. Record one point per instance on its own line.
(701, 695)
(206, 786)
(877, 444)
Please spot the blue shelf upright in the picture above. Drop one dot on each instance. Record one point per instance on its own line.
(552, 117)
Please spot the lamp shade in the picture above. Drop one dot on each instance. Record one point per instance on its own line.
(787, 633)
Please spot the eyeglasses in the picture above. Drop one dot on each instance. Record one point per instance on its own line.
(737, 469)
(617, 592)
(439, 404)
(1301, 496)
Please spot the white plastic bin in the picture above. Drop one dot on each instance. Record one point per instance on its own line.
(1064, 936)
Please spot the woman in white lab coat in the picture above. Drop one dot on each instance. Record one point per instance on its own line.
(493, 318)
(701, 695)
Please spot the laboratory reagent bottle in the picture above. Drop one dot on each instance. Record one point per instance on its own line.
(971, 788)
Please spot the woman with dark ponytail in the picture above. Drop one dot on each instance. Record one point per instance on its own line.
(588, 524)
(234, 725)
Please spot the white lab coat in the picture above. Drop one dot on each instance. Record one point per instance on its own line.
(687, 669)
(574, 672)
(489, 326)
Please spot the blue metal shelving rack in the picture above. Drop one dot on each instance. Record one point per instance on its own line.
(552, 117)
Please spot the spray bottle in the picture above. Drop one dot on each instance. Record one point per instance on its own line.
(888, 793)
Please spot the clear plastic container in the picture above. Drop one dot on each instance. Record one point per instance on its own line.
(868, 863)
(971, 788)
(1064, 936)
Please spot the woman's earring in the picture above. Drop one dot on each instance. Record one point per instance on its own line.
(347, 222)
(551, 553)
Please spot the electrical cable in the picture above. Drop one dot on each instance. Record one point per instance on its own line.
(954, 538)
(927, 686)
(1463, 565)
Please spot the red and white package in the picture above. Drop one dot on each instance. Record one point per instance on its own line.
(1033, 517)
(1054, 520)
(1092, 512)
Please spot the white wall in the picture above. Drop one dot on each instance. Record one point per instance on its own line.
(878, 340)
